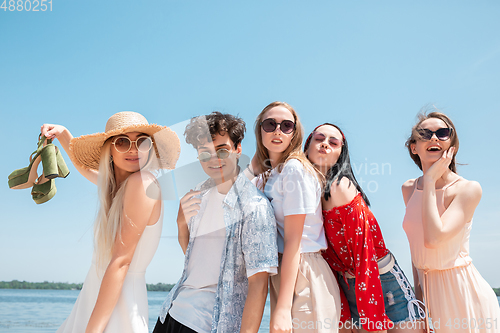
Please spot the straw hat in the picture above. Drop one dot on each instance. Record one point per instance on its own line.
(86, 149)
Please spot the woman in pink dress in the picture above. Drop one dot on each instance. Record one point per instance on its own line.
(439, 209)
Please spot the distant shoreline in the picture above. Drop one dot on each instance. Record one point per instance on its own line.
(15, 284)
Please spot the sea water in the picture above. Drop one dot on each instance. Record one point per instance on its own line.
(28, 311)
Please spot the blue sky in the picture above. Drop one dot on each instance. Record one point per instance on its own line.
(368, 66)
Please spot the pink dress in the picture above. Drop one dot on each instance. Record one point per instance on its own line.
(456, 295)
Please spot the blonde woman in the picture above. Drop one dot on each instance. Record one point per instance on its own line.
(439, 209)
(129, 221)
(305, 296)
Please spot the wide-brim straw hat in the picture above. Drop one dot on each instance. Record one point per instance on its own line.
(86, 149)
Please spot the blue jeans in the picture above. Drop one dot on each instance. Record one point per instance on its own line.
(395, 295)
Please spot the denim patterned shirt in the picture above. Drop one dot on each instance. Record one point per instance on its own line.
(250, 244)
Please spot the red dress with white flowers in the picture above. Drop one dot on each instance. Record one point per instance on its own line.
(355, 243)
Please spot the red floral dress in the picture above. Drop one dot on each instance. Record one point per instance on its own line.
(355, 243)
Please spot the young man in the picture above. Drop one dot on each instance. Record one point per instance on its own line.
(227, 231)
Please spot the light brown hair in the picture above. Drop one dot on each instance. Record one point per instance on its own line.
(422, 116)
(294, 150)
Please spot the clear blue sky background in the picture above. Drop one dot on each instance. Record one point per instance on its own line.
(368, 66)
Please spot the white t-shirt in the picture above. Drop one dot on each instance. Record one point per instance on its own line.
(194, 304)
(295, 191)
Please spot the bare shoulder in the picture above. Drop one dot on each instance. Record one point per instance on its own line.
(463, 196)
(408, 184)
(141, 183)
(407, 189)
(344, 185)
(343, 192)
(137, 178)
(469, 190)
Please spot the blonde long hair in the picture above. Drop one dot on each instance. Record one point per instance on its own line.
(294, 150)
(109, 219)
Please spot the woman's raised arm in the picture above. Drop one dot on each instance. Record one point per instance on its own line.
(64, 136)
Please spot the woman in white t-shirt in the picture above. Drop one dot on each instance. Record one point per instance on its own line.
(305, 296)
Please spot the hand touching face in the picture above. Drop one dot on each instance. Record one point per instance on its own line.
(429, 150)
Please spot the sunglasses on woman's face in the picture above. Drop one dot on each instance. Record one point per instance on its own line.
(221, 154)
(269, 125)
(123, 144)
(332, 141)
(442, 134)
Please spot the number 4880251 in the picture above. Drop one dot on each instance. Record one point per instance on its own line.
(26, 5)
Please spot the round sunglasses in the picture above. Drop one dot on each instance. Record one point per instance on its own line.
(442, 134)
(206, 156)
(269, 125)
(123, 144)
(332, 141)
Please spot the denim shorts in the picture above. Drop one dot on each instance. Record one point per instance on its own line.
(396, 297)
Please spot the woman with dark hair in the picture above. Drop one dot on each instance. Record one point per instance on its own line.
(376, 293)
(439, 209)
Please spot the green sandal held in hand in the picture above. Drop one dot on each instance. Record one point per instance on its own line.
(44, 187)
(43, 190)
(25, 177)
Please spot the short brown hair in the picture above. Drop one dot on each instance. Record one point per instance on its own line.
(206, 127)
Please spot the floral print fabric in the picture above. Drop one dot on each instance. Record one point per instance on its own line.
(250, 244)
(355, 243)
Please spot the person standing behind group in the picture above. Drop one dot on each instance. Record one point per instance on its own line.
(439, 209)
(129, 222)
(304, 295)
(378, 296)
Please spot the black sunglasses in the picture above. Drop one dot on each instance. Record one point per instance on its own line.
(269, 125)
(206, 156)
(442, 134)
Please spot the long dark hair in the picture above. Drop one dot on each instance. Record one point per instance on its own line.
(340, 169)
